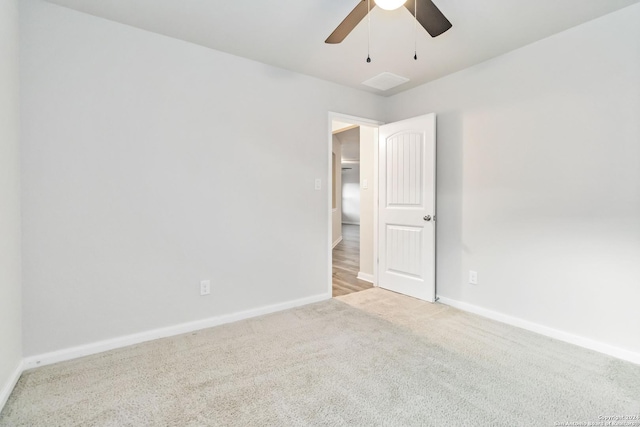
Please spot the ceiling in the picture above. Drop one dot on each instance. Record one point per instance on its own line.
(290, 33)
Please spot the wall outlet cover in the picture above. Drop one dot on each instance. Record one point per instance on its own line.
(473, 277)
(205, 287)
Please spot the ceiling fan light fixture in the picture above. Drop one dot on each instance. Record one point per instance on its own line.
(389, 4)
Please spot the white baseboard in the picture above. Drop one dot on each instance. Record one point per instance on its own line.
(365, 276)
(7, 388)
(336, 242)
(183, 328)
(545, 330)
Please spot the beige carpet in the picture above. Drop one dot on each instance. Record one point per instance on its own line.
(370, 358)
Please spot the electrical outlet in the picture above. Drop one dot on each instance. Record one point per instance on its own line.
(473, 277)
(318, 184)
(205, 287)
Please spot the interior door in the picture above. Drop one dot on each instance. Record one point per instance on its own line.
(406, 210)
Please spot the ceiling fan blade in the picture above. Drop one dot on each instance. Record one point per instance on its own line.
(350, 22)
(429, 16)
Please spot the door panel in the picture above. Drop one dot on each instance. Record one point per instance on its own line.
(406, 208)
(404, 169)
(403, 250)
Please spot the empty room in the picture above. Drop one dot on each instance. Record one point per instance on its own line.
(319, 212)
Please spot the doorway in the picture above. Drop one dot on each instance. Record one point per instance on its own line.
(352, 176)
(402, 221)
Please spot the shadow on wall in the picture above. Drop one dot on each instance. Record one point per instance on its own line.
(449, 162)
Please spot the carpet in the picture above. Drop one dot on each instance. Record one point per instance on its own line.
(373, 358)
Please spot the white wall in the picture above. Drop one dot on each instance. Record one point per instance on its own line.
(368, 146)
(149, 164)
(10, 288)
(351, 193)
(336, 213)
(539, 180)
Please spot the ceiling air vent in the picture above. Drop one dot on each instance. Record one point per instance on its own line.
(385, 81)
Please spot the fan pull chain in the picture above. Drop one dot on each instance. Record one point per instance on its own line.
(369, 30)
(415, 30)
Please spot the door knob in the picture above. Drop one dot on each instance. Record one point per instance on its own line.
(427, 218)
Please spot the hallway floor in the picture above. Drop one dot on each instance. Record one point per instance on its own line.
(346, 263)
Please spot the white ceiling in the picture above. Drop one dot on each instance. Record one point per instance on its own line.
(290, 33)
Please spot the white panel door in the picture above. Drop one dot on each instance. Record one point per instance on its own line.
(406, 210)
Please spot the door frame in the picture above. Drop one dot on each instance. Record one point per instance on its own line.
(360, 121)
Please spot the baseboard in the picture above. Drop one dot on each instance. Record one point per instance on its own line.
(183, 328)
(545, 330)
(6, 390)
(365, 276)
(336, 242)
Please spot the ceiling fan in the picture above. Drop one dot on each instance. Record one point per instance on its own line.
(429, 16)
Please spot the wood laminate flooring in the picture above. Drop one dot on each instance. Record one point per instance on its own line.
(346, 263)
